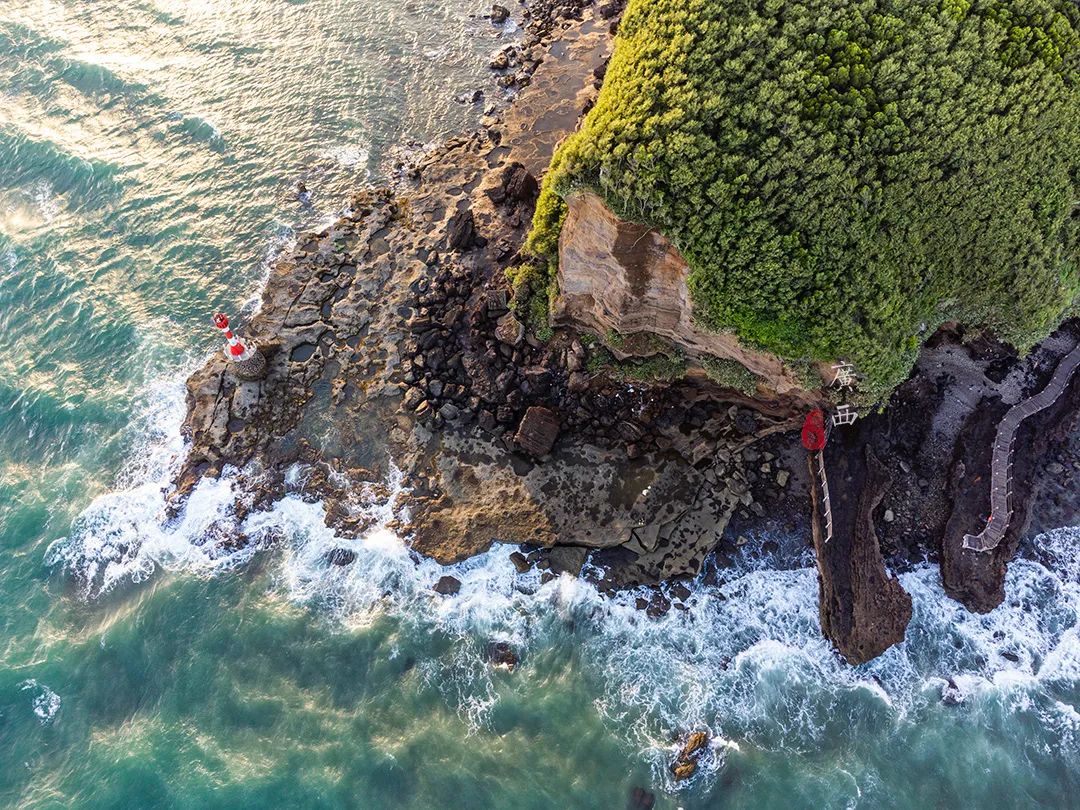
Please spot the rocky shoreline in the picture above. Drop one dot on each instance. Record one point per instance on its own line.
(394, 328)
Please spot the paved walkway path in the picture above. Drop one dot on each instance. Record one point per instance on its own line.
(1001, 463)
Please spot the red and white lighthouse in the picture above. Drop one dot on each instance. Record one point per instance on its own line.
(247, 361)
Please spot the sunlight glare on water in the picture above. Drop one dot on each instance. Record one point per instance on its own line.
(149, 155)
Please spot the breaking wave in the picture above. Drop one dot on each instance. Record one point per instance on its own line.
(742, 656)
(45, 703)
(126, 534)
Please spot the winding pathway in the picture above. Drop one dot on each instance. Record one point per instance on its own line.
(1001, 463)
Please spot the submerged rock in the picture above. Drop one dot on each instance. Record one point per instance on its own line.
(501, 654)
(952, 694)
(340, 556)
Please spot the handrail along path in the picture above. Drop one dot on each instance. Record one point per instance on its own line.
(1001, 506)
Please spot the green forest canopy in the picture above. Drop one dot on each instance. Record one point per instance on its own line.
(844, 177)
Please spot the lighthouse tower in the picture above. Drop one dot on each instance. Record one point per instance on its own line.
(246, 362)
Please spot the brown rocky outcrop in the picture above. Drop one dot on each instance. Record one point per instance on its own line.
(617, 276)
(863, 609)
(977, 578)
(538, 430)
(392, 329)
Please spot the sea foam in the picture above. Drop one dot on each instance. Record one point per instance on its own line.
(742, 656)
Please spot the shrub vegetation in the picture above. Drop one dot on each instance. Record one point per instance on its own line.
(842, 178)
(730, 374)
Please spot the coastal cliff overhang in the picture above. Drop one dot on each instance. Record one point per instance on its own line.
(828, 201)
(618, 277)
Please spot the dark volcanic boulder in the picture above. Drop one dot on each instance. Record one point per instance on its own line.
(461, 230)
(447, 585)
(538, 430)
(519, 183)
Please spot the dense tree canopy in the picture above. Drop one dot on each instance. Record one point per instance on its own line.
(843, 177)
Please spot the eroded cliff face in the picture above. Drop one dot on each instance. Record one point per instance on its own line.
(862, 606)
(624, 277)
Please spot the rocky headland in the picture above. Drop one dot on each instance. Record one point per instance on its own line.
(621, 433)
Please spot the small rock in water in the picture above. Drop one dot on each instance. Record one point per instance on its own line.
(890, 516)
(501, 655)
(683, 770)
(658, 605)
(519, 561)
(340, 556)
(951, 694)
(1054, 468)
(694, 743)
(470, 98)
(447, 585)
(499, 14)
(302, 193)
(686, 763)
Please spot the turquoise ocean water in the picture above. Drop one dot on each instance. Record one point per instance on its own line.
(149, 151)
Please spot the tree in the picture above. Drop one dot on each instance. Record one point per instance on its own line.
(844, 178)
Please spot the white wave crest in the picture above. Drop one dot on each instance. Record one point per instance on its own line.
(45, 702)
(126, 534)
(744, 658)
(348, 155)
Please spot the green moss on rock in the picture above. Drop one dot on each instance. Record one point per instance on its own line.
(532, 288)
(842, 178)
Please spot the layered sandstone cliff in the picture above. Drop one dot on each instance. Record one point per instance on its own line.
(625, 278)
